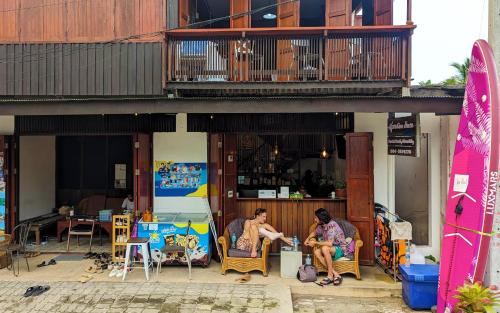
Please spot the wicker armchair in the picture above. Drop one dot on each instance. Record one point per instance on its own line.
(239, 260)
(341, 267)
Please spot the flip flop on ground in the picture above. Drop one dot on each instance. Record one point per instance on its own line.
(30, 291)
(40, 290)
(85, 278)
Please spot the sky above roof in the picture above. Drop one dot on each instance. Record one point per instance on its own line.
(445, 33)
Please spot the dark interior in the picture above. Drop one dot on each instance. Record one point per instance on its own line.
(312, 13)
(261, 8)
(85, 166)
(202, 11)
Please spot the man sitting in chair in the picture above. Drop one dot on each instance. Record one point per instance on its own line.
(254, 229)
(331, 243)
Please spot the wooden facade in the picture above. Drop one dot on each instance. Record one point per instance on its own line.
(54, 21)
(92, 69)
(292, 217)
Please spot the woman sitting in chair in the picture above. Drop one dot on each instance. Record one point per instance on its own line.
(331, 244)
(254, 229)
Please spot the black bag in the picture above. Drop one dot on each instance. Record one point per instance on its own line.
(307, 273)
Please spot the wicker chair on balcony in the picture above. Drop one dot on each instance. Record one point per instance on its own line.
(342, 266)
(240, 260)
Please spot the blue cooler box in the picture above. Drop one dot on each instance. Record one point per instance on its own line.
(420, 284)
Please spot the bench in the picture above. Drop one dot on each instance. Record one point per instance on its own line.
(42, 222)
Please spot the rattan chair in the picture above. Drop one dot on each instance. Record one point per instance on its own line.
(243, 264)
(342, 267)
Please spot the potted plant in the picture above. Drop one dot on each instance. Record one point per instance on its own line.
(340, 190)
(475, 298)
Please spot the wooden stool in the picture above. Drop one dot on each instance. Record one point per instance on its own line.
(143, 243)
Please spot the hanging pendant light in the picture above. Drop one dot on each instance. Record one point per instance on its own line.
(269, 16)
(324, 153)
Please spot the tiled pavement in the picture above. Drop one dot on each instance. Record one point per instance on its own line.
(153, 297)
(324, 304)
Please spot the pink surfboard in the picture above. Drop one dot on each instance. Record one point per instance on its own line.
(473, 182)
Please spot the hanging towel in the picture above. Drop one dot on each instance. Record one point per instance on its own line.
(400, 231)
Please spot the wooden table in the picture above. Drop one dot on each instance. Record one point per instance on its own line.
(62, 225)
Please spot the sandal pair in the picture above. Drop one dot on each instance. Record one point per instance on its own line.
(35, 291)
(51, 262)
(336, 281)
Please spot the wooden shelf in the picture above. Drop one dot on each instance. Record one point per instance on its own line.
(120, 230)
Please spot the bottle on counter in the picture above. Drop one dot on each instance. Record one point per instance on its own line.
(295, 243)
(308, 259)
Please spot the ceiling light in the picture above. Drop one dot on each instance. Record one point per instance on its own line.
(269, 16)
(324, 154)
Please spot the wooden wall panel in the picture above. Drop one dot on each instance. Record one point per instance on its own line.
(237, 7)
(31, 19)
(80, 69)
(53, 31)
(291, 217)
(9, 23)
(80, 21)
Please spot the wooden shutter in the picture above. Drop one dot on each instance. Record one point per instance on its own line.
(229, 209)
(215, 172)
(183, 13)
(288, 16)
(288, 13)
(383, 12)
(238, 7)
(359, 177)
(338, 12)
(142, 172)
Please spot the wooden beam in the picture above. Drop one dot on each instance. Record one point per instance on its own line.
(448, 105)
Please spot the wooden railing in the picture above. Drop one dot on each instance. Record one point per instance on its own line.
(289, 54)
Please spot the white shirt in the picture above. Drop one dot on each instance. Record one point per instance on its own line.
(128, 205)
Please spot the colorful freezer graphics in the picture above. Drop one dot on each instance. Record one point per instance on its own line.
(473, 181)
(171, 229)
(180, 179)
(2, 197)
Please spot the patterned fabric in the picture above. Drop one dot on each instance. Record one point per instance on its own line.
(349, 234)
(332, 232)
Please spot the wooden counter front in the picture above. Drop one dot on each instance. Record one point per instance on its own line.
(291, 216)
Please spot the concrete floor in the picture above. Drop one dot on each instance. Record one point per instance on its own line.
(374, 282)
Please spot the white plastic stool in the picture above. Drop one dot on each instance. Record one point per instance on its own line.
(143, 243)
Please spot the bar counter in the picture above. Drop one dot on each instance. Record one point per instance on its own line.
(292, 216)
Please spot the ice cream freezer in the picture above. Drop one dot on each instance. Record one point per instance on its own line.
(171, 229)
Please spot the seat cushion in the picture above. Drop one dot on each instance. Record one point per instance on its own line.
(236, 227)
(237, 253)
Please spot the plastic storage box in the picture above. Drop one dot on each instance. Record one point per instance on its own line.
(105, 215)
(420, 284)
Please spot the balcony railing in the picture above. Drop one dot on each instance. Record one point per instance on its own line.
(289, 54)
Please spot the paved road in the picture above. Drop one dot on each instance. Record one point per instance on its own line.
(325, 304)
(141, 298)
(154, 297)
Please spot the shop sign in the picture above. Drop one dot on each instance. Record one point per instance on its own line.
(403, 135)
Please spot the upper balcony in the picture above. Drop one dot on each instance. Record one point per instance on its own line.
(329, 49)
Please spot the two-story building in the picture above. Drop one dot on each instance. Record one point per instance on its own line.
(271, 95)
